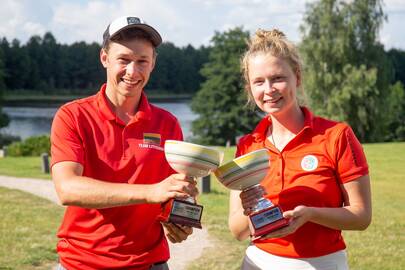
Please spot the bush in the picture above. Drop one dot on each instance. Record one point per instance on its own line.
(32, 146)
(6, 139)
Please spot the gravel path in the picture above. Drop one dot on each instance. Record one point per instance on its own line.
(181, 254)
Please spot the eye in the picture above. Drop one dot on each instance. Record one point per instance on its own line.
(278, 79)
(258, 82)
(122, 60)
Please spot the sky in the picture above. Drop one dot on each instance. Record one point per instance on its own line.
(181, 22)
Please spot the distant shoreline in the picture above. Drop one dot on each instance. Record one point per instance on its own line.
(56, 101)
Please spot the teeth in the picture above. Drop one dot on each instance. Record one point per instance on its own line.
(130, 82)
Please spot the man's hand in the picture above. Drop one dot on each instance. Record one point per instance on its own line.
(176, 233)
(174, 186)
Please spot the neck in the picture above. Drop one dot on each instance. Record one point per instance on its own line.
(125, 107)
(285, 126)
(291, 121)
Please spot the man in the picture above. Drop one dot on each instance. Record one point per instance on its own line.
(108, 163)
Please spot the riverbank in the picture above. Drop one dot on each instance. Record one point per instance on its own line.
(41, 100)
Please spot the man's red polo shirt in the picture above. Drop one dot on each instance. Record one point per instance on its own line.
(88, 132)
(308, 171)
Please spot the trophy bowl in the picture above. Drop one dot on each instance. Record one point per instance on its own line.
(192, 160)
(244, 171)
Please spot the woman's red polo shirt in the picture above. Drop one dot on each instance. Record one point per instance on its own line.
(88, 132)
(308, 171)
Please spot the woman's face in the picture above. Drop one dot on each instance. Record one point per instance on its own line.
(273, 83)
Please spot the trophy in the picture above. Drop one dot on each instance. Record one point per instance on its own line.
(244, 173)
(192, 160)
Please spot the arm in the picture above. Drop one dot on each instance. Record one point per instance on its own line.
(238, 223)
(74, 189)
(355, 214)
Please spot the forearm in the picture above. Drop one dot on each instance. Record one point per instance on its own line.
(91, 193)
(239, 225)
(343, 218)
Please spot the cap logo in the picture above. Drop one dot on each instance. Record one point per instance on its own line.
(309, 163)
(133, 20)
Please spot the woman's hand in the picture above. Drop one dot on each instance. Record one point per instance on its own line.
(250, 197)
(296, 218)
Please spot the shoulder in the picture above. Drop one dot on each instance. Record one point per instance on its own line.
(78, 105)
(162, 114)
(329, 128)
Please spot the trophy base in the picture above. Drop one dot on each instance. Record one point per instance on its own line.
(181, 212)
(266, 221)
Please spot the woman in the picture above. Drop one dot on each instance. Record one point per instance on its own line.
(318, 171)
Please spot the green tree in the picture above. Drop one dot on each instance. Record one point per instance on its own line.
(347, 73)
(3, 117)
(220, 103)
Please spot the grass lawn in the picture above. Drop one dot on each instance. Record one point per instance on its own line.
(27, 231)
(22, 167)
(380, 247)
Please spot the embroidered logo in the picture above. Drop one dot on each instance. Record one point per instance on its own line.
(151, 138)
(309, 163)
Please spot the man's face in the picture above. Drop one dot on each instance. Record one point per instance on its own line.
(128, 64)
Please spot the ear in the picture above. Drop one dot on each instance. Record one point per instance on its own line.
(103, 57)
(153, 62)
(299, 78)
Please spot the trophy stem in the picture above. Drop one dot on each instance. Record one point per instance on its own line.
(262, 202)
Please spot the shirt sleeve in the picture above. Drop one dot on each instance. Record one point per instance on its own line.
(66, 144)
(350, 158)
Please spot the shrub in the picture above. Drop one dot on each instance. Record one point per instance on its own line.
(32, 146)
(6, 139)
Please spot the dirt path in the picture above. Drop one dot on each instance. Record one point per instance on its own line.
(181, 254)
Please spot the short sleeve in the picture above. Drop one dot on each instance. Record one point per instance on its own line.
(350, 158)
(66, 144)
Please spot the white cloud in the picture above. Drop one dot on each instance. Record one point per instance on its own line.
(179, 21)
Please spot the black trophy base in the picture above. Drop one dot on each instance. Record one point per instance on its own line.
(182, 213)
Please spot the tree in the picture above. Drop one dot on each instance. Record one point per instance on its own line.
(220, 103)
(347, 74)
(3, 117)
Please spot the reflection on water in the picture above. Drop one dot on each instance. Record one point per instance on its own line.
(27, 121)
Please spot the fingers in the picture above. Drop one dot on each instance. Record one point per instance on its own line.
(185, 184)
(177, 233)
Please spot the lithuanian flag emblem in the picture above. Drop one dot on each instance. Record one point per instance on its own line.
(151, 138)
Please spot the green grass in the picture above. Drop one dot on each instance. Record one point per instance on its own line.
(22, 167)
(380, 247)
(27, 231)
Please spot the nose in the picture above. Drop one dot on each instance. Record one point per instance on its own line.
(268, 87)
(131, 68)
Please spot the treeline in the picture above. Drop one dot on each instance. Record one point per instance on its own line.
(46, 66)
(348, 76)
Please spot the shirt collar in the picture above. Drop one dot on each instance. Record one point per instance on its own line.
(144, 109)
(260, 132)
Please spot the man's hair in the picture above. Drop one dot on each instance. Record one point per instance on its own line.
(129, 34)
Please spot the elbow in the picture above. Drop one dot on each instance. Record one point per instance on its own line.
(65, 195)
(365, 223)
(238, 233)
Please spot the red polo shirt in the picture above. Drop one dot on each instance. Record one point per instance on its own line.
(88, 132)
(308, 171)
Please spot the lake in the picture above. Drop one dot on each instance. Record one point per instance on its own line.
(32, 121)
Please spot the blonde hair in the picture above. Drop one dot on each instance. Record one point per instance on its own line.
(275, 43)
